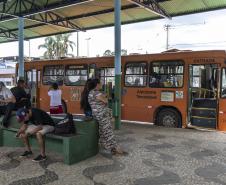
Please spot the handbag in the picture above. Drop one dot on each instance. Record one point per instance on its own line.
(66, 126)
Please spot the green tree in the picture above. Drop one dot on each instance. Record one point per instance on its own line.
(111, 53)
(49, 46)
(57, 46)
(123, 52)
(67, 44)
(108, 53)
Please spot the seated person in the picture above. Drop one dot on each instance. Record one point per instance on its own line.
(7, 101)
(34, 122)
(22, 98)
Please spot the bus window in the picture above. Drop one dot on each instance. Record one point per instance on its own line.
(223, 83)
(136, 74)
(53, 74)
(76, 75)
(107, 75)
(197, 72)
(166, 74)
(92, 71)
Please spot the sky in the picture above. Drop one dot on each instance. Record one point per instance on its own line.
(203, 31)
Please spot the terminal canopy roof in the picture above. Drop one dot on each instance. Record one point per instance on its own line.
(50, 17)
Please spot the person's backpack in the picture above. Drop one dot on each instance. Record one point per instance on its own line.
(66, 126)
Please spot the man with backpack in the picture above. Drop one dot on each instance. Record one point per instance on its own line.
(34, 122)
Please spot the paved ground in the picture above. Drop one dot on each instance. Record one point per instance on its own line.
(157, 156)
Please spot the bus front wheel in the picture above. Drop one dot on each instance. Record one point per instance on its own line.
(169, 118)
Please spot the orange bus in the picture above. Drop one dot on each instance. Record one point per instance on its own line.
(172, 89)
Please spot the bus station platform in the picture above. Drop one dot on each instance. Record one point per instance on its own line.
(157, 156)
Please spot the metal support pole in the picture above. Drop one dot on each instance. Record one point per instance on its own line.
(21, 47)
(29, 42)
(118, 63)
(87, 39)
(77, 45)
(167, 36)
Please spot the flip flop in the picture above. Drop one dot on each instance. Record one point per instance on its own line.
(117, 153)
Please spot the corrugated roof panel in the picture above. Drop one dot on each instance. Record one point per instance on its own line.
(48, 29)
(106, 18)
(181, 7)
(97, 13)
(89, 22)
(3, 39)
(215, 3)
(140, 13)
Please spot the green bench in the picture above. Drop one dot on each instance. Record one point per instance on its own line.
(73, 148)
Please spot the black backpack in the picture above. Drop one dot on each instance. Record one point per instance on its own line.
(66, 126)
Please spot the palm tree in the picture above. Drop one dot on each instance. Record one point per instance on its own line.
(49, 46)
(67, 44)
(58, 46)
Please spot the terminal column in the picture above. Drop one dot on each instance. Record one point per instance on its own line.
(21, 47)
(117, 102)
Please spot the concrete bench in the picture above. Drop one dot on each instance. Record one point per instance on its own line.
(73, 148)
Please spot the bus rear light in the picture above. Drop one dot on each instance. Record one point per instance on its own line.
(221, 112)
(122, 105)
(149, 107)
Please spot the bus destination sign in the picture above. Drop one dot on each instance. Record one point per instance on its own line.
(146, 94)
(204, 60)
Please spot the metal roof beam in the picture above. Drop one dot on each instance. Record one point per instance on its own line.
(153, 6)
(77, 17)
(26, 27)
(54, 19)
(53, 6)
(30, 8)
(110, 10)
(8, 34)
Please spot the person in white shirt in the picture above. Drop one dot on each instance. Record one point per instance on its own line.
(7, 103)
(55, 99)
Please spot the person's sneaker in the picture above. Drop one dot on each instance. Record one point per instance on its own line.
(26, 154)
(39, 158)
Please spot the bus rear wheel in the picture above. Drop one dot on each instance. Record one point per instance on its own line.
(169, 118)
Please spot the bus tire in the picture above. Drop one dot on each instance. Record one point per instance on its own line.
(169, 118)
(64, 106)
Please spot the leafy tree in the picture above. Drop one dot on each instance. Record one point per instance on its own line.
(57, 46)
(123, 52)
(49, 46)
(108, 53)
(111, 53)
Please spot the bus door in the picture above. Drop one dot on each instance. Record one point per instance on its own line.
(222, 102)
(203, 95)
(107, 78)
(32, 77)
